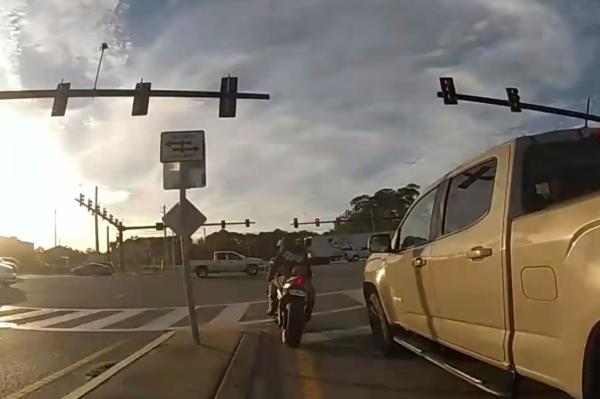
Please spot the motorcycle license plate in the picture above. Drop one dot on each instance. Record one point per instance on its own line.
(297, 293)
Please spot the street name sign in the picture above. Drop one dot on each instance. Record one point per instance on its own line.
(181, 146)
(189, 224)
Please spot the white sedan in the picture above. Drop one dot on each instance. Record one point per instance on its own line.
(7, 275)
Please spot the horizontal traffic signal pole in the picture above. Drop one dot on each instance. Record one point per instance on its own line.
(29, 94)
(451, 97)
(317, 222)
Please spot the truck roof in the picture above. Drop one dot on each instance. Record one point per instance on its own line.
(543, 137)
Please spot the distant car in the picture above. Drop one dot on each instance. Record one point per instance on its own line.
(7, 275)
(14, 263)
(93, 269)
(227, 261)
(354, 255)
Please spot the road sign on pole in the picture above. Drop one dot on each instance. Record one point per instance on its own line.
(182, 146)
(189, 224)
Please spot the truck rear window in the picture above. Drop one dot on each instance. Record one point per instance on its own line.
(560, 171)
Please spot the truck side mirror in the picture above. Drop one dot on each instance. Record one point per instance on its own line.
(380, 243)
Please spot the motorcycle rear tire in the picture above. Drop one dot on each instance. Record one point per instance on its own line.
(294, 323)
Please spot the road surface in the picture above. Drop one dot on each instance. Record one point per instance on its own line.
(58, 331)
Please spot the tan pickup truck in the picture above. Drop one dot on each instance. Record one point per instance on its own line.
(499, 260)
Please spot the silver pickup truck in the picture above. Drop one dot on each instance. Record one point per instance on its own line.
(225, 262)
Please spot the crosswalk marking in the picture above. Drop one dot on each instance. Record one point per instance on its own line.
(107, 321)
(26, 315)
(165, 321)
(231, 314)
(56, 320)
(148, 319)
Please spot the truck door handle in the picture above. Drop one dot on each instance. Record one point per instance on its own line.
(477, 253)
(419, 262)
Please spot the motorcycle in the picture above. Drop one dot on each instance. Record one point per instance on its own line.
(291, 316)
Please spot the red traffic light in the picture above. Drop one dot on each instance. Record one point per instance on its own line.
(448, 91)
(247, 222)
(61, 97)
(141, 99)
(223, 224)
(317, 222)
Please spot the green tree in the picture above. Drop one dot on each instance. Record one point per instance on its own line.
(381, 211)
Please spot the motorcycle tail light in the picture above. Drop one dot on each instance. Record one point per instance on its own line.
(298, 280)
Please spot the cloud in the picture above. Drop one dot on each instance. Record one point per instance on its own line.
(353, 85)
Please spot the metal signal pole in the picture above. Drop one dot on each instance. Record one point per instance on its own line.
(103, 47)
(96, 220)
(165, 246)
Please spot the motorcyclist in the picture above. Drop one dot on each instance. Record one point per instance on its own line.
(291, 254)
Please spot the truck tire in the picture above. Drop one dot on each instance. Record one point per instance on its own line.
(591, 366)
(201, 272)
(380, 328)
(251, 270)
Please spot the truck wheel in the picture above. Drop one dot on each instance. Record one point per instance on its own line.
(380, 328)
(201, 272)
(591, 384)
(251, 270)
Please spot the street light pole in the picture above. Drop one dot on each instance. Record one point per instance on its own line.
(165, 247)
(103, 47)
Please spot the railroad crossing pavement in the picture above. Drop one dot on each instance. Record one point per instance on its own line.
(161, 319)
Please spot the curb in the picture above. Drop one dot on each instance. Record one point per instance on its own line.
(237, 379)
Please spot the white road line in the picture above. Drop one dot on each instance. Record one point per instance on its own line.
(313, 337)
(26, 315)
(231, 314)
(356, 295)
(106, 321)
(165, 321)
(58, 319)
(60, 373)
(347, 309)
(102, 378)
(10, 307)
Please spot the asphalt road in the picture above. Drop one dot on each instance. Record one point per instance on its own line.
(56, 331)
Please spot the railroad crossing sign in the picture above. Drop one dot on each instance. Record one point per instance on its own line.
(182, 146)
(189, 224)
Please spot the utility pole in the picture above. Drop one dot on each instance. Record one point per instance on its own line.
(165, 246)
(107, 243)
(173, 249)
(55, 229)
(96, 220)
(121, 253)
(372, 220)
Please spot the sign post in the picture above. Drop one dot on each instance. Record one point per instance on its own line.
(183, 158)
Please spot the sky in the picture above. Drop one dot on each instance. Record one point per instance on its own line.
(353, 104)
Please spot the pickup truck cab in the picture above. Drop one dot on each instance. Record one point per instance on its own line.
(225, 262)
(500, 260)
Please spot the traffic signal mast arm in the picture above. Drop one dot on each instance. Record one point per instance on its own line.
(451, 97)
(318, 221)
(28, 94)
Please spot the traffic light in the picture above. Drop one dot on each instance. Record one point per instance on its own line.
(90, 205)
(141, 98)
(227, 103)
(448, 91)
(247, 222)
(514, 100)
(223, 225)
(104, 213)
(98, 209)
(81, 199)
(160, 226)
(110, 217)
(317, 222)
(295, 223)
(60, 99)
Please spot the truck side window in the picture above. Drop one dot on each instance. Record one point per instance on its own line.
(416, 227)
(233, 256)
(469, 196)
(221, 256)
